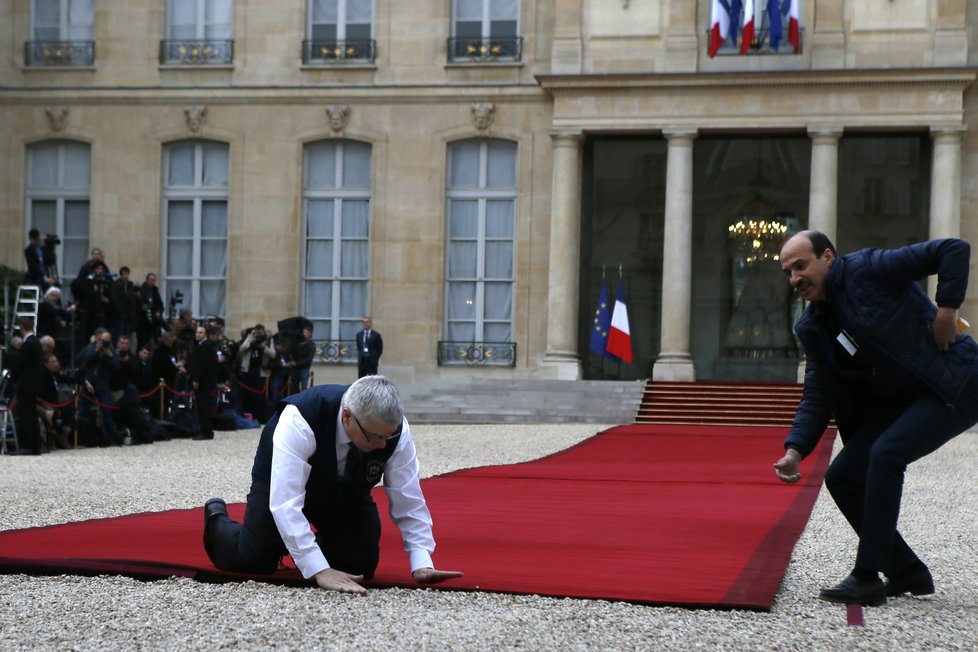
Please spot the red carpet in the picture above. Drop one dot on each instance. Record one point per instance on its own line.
(677, 515)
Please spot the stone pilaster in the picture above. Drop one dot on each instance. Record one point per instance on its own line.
(561, 359)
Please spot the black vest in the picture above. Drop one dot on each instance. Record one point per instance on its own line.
(325, 490)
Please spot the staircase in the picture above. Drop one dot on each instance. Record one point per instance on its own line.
(722, 404)
(522, 401)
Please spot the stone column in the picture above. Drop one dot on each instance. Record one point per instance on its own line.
(945, 189)
(674, 361)
(561, 360)
(823, 191)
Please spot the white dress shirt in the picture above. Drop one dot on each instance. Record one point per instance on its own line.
(293, 443)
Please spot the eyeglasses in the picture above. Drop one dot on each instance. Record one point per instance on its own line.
(375, 437)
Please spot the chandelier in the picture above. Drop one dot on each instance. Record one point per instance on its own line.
(757, 239)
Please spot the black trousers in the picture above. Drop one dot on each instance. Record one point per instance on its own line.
(866, 477)
(202, 403)
(29, 431)
(348, 537)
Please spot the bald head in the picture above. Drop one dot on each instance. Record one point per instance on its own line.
(806, 259)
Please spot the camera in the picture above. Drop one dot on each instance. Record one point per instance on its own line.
(176, 299)
(51, 241)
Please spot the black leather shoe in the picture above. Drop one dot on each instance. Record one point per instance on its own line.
(212, 508)
(855, 591)
(203, 437)
(917, 583)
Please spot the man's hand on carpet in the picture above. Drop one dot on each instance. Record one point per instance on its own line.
(433, 576)
(787, 467)
(334, 580)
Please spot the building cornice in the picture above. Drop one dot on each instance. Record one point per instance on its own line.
(727, 81)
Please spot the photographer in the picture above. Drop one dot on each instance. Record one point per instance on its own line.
(55, 391)
(150, 322)
(39, 258)
(92, 293)
(125, 395)
(100, 362)
(123, 304)
(255, 356)
(56, 321)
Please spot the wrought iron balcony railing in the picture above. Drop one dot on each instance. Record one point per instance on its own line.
(201, 52)
(59, 53)
(485, 50)
(485, 354)
(327, 52)
(336, 351)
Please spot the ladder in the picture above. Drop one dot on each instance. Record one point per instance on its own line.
(28, 298)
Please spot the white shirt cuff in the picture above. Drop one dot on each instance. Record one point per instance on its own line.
(420, 559)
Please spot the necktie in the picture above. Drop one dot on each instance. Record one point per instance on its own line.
(352, 459)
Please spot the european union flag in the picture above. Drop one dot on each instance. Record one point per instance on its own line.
(602, 322)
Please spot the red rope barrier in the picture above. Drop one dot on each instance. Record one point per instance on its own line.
(55, 405)
(176, 393)
(95, 401)
(263, 389)
(150, 392)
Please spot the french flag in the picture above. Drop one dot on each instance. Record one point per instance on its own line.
(720, 25)
(747, 38)
(794, 33)
(620, 337)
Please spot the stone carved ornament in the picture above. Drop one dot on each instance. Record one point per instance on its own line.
(57, 117)
(196, 117)
(483, 113)
(339, 116)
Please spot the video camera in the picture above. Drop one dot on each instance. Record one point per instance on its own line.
(176, 299)
(51, 240)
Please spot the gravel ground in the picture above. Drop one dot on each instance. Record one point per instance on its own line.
(939, 519)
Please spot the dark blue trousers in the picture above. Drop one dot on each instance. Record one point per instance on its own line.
(349, 538)
(866, 477)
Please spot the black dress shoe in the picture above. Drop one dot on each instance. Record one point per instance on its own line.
(212, 508)
(203, 437)
(855, 591)
(916, 583)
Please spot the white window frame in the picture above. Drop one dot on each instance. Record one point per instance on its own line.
(482, 195)
(341, 21)
(486, 21)
(200, 22)
(60, 194)
(64, 24)
(198, 194)
(338, 194)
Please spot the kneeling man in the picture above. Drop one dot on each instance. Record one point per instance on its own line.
(317, 460)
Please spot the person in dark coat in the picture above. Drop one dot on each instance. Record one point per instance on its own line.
(898, 377)
(204, 375)
(370, 346)
(27, 377)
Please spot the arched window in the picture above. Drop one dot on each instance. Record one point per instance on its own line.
(336, 247)
(480, 242)
(58, 182)
(195, 226)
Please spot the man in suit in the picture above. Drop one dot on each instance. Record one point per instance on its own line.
(204, 372)
(370, 346)
(28, 378)
(316, 463)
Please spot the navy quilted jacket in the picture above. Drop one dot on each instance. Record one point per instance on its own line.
(876, 294)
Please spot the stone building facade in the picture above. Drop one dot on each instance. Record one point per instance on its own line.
(469, 171)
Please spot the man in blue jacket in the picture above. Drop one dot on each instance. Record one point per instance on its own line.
(897, 376)
(317, 461)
